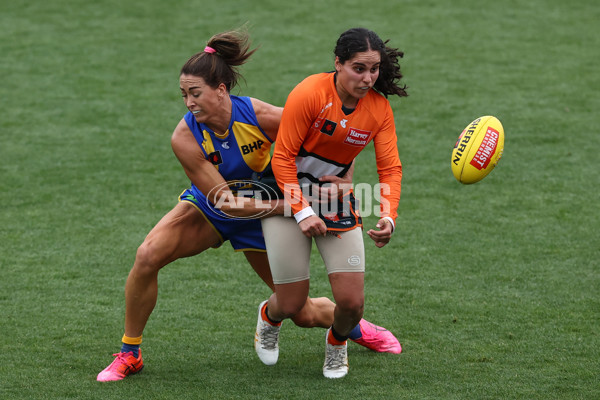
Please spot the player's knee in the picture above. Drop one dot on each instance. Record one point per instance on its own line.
(147, 259)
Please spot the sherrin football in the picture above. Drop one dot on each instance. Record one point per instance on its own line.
(478, 149)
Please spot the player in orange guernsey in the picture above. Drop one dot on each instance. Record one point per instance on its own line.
(327, 120)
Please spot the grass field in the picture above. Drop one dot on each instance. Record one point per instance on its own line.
(493, 289)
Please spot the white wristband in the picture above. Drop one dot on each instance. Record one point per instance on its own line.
(391, 222)
(304, 213)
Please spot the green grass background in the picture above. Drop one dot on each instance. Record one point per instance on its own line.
(493, 288)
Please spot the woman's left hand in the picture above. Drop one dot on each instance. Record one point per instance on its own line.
(382, 236)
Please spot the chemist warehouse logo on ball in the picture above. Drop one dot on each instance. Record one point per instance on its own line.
(486, 150)
(237, 195)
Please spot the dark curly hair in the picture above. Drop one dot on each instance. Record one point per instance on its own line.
(232, 50)
(357, 40)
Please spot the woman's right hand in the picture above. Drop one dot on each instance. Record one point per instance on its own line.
(313, 226)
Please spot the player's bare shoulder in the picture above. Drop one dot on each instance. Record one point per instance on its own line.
(182, 139)
(268, 116)
(181, 130)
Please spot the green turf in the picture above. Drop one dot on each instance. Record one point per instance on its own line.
(492, 288)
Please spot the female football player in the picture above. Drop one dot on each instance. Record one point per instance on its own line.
(327, 120)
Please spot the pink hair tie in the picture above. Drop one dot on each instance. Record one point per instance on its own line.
(209, 50)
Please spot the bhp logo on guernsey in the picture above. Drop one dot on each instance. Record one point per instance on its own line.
(486, 150)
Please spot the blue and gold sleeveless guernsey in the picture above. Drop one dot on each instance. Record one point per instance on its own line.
(243, 150)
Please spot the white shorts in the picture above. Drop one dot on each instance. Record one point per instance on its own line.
(289, 250)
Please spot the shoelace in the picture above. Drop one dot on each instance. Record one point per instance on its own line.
(119, 360)
(269, 336)
(335, 357)
(121, 356)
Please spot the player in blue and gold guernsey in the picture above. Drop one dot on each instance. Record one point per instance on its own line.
(238, 153)
(221, 142)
